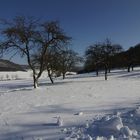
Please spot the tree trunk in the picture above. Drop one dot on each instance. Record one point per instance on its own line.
(105, 72)
(97, 72)
(63, 75)
(50, 76)
(128, 69)
(35, 81)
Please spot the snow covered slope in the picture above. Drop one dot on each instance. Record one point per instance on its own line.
(79, 107)
(6, 65)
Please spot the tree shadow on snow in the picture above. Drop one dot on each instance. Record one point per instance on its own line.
(40, 128)
(51, 130)
(130, 75)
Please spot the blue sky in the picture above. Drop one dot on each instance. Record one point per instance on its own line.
(86, 21)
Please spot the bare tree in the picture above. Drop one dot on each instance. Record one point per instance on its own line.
(99, 55)
(94, 57)
(65, 60)
(51, 62)
(109, 50)
(51, 35)
(28, 37)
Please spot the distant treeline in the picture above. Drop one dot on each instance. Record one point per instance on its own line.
(107, 56)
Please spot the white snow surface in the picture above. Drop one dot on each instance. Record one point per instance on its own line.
(81, 107)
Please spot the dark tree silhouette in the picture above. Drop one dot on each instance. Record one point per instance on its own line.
(100, 55)
(67, 60)
(109, 50)
(28, 37)
(94, 57)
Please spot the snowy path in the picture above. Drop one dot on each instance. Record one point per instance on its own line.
(31, 114)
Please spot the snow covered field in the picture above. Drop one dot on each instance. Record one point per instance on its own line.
(81, 107)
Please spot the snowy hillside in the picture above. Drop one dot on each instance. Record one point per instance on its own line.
(81, 107)
(6, 65)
